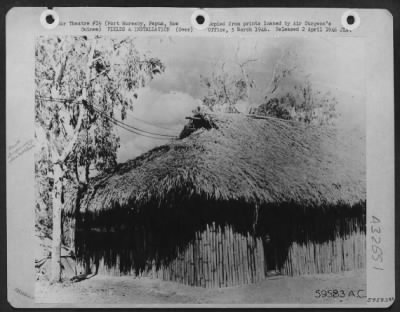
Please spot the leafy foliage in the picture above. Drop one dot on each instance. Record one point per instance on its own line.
(302, 104)
(79, 81)
(112, 74)
(225, 90)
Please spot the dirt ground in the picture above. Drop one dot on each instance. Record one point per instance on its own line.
(350, 287)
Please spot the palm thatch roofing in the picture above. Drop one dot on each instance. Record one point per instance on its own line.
(237, 157)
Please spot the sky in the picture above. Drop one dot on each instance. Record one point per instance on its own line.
(334, 64)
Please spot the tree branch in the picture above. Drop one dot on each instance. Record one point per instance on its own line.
(72, 142)
(69, 148)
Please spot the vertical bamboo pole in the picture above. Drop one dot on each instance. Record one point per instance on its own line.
(188, 264)
(248, 249)
(210, 272)
(245, 262)
(262, 263)
(206, 246)
(292, 259)
(264, 267)
(230, 253)
(185, 265)
(216, 256)
(251, 259)
(192, 265)
(203, 243)
(256, 256)
(213, 253)
(200, 259)
(189, 279)
(217, 268)
(211, 241)
(256, 260)
(307, 259)
(171, 270)
(231, 249)
(223, 259)
(203, 273)
(209, 256)
(180, 266)
(233, 256)
(196, 260)
(197, 257)
(251, 251)
(290, 262)
(240, 255)
(226, 256)
(219, 257)
(241, 264)
(236, 255)
(229, 256)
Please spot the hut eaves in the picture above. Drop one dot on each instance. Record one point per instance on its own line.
(260, 161)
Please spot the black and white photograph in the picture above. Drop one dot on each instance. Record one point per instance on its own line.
(243, 161)
(169, 176)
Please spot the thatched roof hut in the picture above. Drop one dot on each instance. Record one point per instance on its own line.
(261, 170)
(240, 158)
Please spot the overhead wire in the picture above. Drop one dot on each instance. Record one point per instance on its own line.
(132, 129)
(121, 124)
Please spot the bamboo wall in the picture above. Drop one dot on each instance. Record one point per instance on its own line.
(217, 257)
(338, 255)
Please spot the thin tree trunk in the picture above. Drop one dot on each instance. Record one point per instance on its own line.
(57, 232)
(58, 187)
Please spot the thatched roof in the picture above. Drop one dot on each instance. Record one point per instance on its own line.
(260, 161)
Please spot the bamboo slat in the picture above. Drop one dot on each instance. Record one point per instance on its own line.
(227, 258)
(224, 257)
(230, 257)
(214, 256)
(219, 258)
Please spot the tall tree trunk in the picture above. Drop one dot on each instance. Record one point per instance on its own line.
(57, 227)
(58, 161)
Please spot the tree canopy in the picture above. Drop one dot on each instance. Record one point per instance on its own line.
(82, 86)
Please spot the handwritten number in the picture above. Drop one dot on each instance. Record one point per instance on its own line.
(377, 240)
(375, 230)
(375, 219)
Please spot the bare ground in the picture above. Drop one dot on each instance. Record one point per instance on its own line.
(278, 289)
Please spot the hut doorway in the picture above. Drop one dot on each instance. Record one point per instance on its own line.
(275, 254)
